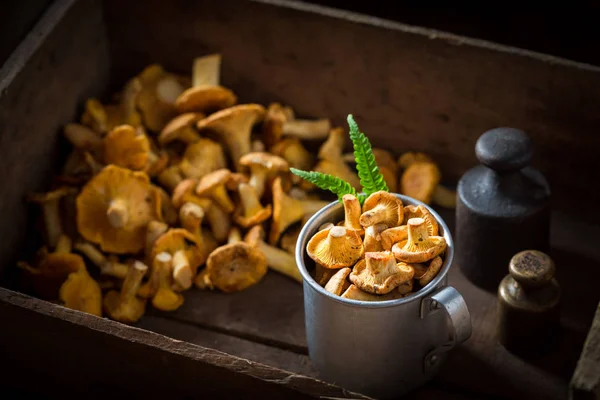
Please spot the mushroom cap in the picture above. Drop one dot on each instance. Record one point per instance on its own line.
(420, 211)
(391, 236)
(265, 160)
(125, 147)
(286, 211)
(419, 181)
(167, 299)
(212, 180)
(294, 152)
(156, 99)
(338, 282)
(205, 99)
(419, 247)
(81, 292)
(201, 158)
(434, 267)
(336, 247)
(411, 157)
(272, 126)
(176, 239)
(137, 199)
(180, 123)
(235, 180)
(52, 271)
(331, 149)
(184, 188)
(127, 312)
(388, 207)
(355, 293)
(234, 267)
(378, 273)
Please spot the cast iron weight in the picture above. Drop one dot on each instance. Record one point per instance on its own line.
(502, 207)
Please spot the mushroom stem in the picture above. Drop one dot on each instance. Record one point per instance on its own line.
(234, 236)
(238, 148)
(133, 281)
(352, 212)
(106, 266)
(372, 240)
(165, 298)
(154, 230)
(391, 236)
(250, 199)
(280, 261)
(182, 271)
(94, 165)
(117, 213)
(150, 288)
(189, 135)
(51, 213)
(64, 245)
(417, 230)
(82, 137)
(221, 197)
(307, 129)
(219, 222)
(376, 215)
(191, 216)
(258, 180)
(170, 177)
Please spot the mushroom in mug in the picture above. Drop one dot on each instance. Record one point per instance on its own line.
(336, 247)
(379, 273)
(382, 207)
(338, 283)
(420, 246)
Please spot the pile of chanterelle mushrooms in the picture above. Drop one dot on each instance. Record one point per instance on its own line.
(378, 251)
(174, 185)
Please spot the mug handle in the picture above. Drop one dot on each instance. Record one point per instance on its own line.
(449, 300)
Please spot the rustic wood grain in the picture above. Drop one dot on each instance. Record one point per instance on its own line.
(60, 63)
(94, 351)
(585, 383)
(409, 88)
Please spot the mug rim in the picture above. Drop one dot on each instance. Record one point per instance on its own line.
(303, 239)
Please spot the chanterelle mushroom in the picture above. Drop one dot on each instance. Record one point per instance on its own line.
(391, 236)
(272, 126)
(378, 273)
(373, 237)
(82, 137)
(184, 192)
(127, 147)
(234, 126)
(331, 161)
(420, 211)
(354, 293)
(287, 211)
(352, 212)
(261, 166)
(251, 211)
(338, 282)
(52, 269)
(50, 203)
(235, 266)
(212, 186)
(419, 181)
(187, 253)
(114, 208)
(156, 100)
(165, 299)
(336, 247)
(81, 292)
(293, 151)
(434, 267)
(277, 259)
(181, 128)
(206, 95)
(382, 207)
(107, 265)
(307, 129)
(419, 247)
(126, 306)
(201, 158)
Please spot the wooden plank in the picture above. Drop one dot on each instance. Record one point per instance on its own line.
(585, 383)
(61, 62)
(409, 88)
(94, 351)
(273, 356)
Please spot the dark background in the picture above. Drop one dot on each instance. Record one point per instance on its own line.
(567, 29)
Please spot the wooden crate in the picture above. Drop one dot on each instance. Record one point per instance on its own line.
(410, 88)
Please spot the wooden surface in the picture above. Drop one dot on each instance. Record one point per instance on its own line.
(266, 322)
(43, 84)
(409, 88)
(585, 383)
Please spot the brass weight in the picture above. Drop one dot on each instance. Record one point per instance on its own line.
(528, 304)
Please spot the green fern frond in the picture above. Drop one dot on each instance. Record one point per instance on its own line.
(371, 179)
(326, 182)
